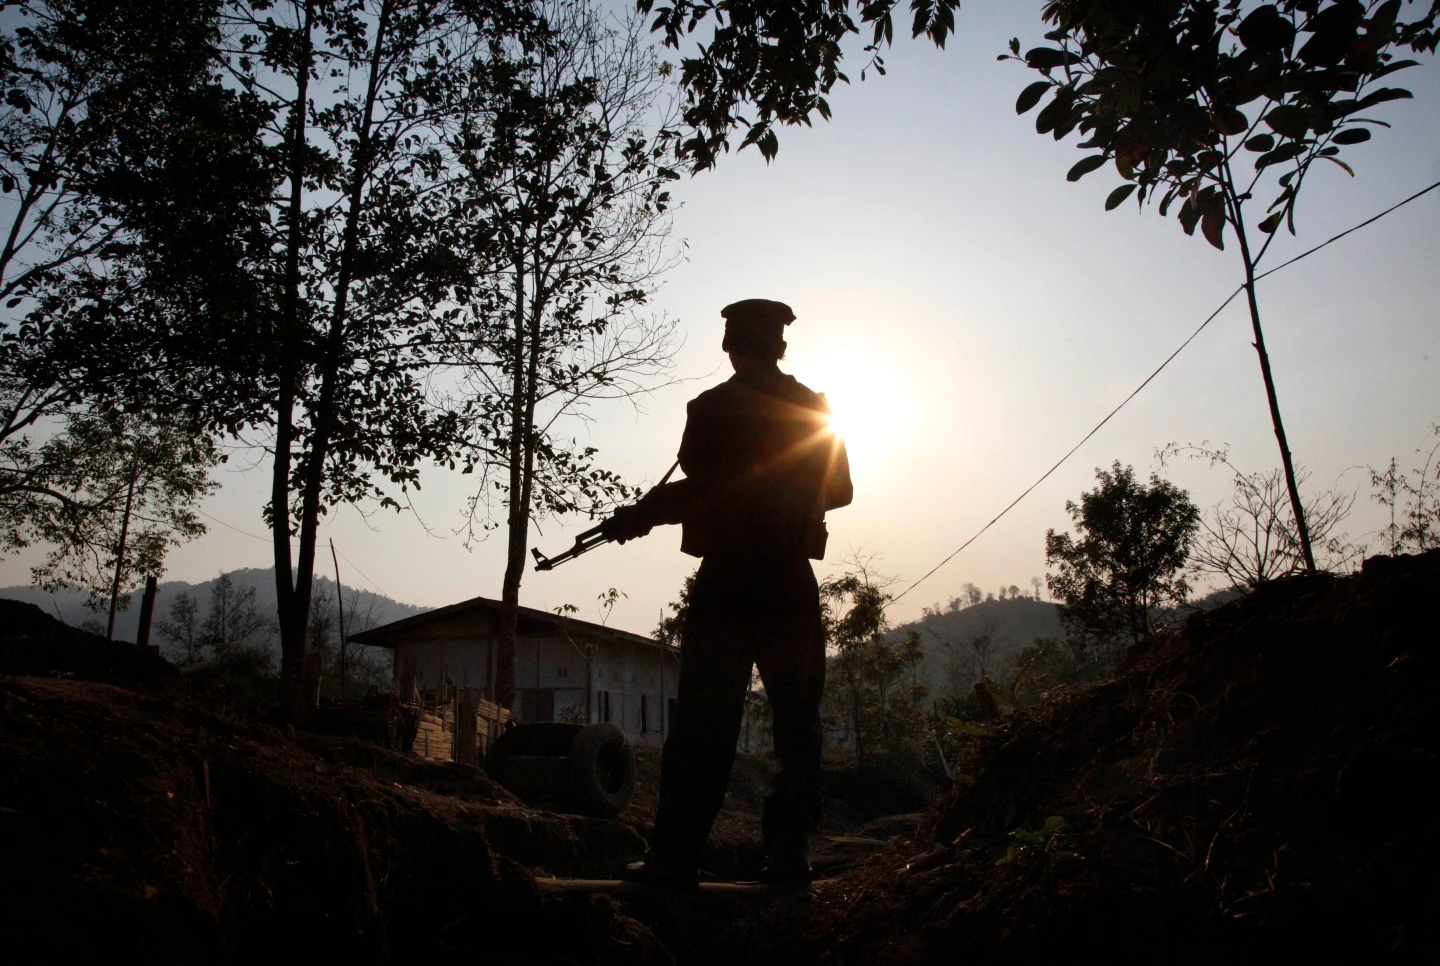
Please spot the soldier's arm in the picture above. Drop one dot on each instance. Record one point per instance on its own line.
(662, 505)
(838, 489)
(697, 443)
(668, 503)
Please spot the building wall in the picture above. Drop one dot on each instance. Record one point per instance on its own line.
(638, 679)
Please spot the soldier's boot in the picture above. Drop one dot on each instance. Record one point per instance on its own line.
(787, 859)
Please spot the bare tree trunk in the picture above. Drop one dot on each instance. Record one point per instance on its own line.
(1302, 529)
(324, 412)
(517, 516)
(325, 407)
(147, 613)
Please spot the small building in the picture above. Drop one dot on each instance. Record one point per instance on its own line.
(565, 669)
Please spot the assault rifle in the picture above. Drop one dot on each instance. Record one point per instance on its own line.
(598, 536)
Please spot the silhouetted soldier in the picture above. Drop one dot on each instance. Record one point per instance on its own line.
(762, 465)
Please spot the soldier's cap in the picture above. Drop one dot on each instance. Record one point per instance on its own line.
(756, 325)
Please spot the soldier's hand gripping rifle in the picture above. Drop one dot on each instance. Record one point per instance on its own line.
(626, 523)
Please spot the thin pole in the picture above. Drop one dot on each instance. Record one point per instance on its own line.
(1302, 529)
(120, 550)
(340, 604)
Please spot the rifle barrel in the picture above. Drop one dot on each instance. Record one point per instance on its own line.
(584, 543)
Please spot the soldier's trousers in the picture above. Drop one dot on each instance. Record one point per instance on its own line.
(744, 613)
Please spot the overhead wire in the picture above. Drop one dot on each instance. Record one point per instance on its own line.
(243, 533)
(252, 536)
(1148, 379)
(372, 583)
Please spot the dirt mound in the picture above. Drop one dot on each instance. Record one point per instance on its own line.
(33, 642)
(142, 820)
(1252, 786)
(853, 800)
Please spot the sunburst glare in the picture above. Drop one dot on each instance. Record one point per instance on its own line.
(874, 406)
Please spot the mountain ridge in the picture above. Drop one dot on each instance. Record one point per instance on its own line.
(363, 608)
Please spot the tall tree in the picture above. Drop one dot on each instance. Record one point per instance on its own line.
(570, 194)
(108, 496)
(1125, 562)
(362, 98)
(1162, 90)
(98, 101)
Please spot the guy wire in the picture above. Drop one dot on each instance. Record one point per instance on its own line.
(1168, 359)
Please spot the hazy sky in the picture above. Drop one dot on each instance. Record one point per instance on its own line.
(971, 315)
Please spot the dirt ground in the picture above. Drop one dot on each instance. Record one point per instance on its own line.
(1253, 786)
(1256, 786)
(168, 819)
(873, 804)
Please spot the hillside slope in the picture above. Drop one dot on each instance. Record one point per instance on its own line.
(1250, 787)
(1012, 624)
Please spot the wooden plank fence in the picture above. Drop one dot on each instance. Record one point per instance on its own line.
(455, 727)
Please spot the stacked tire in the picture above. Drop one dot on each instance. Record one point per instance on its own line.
(588, 767)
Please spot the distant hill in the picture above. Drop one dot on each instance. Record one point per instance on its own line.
(951, 663)
(363, 608)
(1012, 625)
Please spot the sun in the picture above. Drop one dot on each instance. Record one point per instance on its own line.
(873, 406)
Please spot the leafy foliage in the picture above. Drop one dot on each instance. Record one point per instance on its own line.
(104, 472)
(1162, 90)
(671, 625)
(1178, 93)
(776, 58)
(95, 236)
(1052, 838)
(567, 186)
(1125, 562)
(866, 681)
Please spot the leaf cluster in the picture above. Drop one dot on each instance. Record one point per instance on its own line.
(773, 62)
(672, 625)
(866, 683)
(72, 491)
(124, 183)
(1177, 93)
(1124, 565)
(1051, 839)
